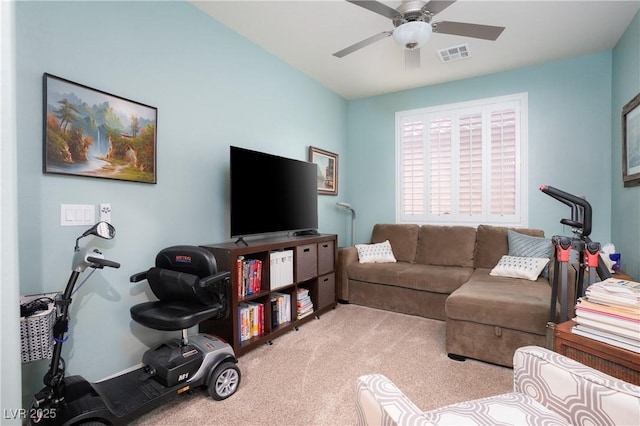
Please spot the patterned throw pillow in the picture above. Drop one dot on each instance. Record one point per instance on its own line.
(528, 246)
(519, 267)
(375, 253)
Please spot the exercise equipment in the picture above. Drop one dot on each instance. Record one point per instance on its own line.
(588, 252)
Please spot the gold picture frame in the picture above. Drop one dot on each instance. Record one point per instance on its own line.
(631, 142)
(327, 163)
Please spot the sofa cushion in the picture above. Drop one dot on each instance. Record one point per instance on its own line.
(492, 243)
(435, 279)
(403, 239)
(529, 246)
(507, 409)
(528, 268)
(377, 273)
(375, 253)
(511, 303)
(446, 245)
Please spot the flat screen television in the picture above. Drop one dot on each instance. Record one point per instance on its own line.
(271, 194)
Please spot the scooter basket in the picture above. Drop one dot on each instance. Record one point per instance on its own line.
(36, 332)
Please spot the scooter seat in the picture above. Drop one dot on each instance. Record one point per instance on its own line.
(173, 315)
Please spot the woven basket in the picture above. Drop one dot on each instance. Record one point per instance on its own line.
(36, 332)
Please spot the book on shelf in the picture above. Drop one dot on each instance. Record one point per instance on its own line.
(249, 276)
(608, 328)
(280, 309)
(251, 320)
(281, 268)
(605, 318)
(622, 312)
(304, 304)
(617, 292)
(605, 337)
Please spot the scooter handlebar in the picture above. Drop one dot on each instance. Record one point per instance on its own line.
(101, 263)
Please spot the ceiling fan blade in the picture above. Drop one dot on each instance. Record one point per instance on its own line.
(437, 6)
(412, 59)
(379, 8)
(486, 32)
(359, 45)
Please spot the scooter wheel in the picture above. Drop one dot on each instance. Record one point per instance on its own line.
(224, 381)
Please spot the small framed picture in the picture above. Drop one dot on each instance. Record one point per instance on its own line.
(631, 142)
(88, 132)
(327, 163)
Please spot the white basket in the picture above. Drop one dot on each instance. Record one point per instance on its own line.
(36, 331)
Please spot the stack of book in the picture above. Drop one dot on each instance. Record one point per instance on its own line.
(610, 313)
(249, 275)
(251, 320)
(304, 304)
(280, 309)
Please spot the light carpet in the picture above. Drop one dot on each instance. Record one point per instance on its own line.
(308, 377)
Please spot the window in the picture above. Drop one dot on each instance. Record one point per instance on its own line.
(463, 163)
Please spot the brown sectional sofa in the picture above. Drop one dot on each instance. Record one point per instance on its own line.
(442, 272)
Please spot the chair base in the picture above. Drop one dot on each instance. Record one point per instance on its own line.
(173, 362)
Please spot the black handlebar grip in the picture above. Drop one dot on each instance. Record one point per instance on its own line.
(103, 262)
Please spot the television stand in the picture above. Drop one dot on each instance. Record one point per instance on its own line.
(312, 264)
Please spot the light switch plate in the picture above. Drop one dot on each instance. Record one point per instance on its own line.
(77, 214)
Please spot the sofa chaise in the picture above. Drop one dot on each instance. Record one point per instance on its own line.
(445, 273)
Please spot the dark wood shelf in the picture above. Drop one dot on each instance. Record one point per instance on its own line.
(612, 360)
(314, 262)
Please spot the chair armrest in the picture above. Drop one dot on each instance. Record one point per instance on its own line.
(580, 394)
(214, 279)
(380, 402)
(346, 256)
(136, 278)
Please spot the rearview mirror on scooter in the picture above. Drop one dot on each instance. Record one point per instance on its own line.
(101, 229)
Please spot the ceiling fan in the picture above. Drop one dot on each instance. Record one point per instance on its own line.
(413, 25)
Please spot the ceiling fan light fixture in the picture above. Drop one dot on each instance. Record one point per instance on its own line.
(412, 34)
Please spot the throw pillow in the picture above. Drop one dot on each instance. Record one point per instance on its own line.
(519, 267)
(528, 246)
(375, 253)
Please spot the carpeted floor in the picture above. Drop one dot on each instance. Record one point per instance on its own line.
(307, 377)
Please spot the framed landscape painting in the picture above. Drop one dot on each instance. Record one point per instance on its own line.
(327, 163)
(88, 132)
(631, 142)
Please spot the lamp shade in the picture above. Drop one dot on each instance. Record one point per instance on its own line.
(412, 34)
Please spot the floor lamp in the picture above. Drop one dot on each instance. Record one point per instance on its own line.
(353, 219)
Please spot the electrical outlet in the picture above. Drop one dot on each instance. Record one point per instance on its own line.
(105, 212)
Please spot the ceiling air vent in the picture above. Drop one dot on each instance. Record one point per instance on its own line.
(454, 53)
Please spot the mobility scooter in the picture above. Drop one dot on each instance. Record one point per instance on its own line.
(190, 290)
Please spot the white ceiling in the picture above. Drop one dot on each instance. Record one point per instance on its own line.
(306, 33)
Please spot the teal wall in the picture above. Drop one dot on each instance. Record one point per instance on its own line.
(569, 139)
(212, 89)
(625, 223)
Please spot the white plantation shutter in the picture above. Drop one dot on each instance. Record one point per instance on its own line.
(463, 163)
(412, 179)
(470, 171)
(503, 162)
(440, 167)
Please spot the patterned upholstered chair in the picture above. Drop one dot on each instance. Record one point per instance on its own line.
(549, 389)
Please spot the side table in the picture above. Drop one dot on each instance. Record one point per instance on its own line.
(612, 360)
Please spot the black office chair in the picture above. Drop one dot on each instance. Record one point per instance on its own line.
(189, 289)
